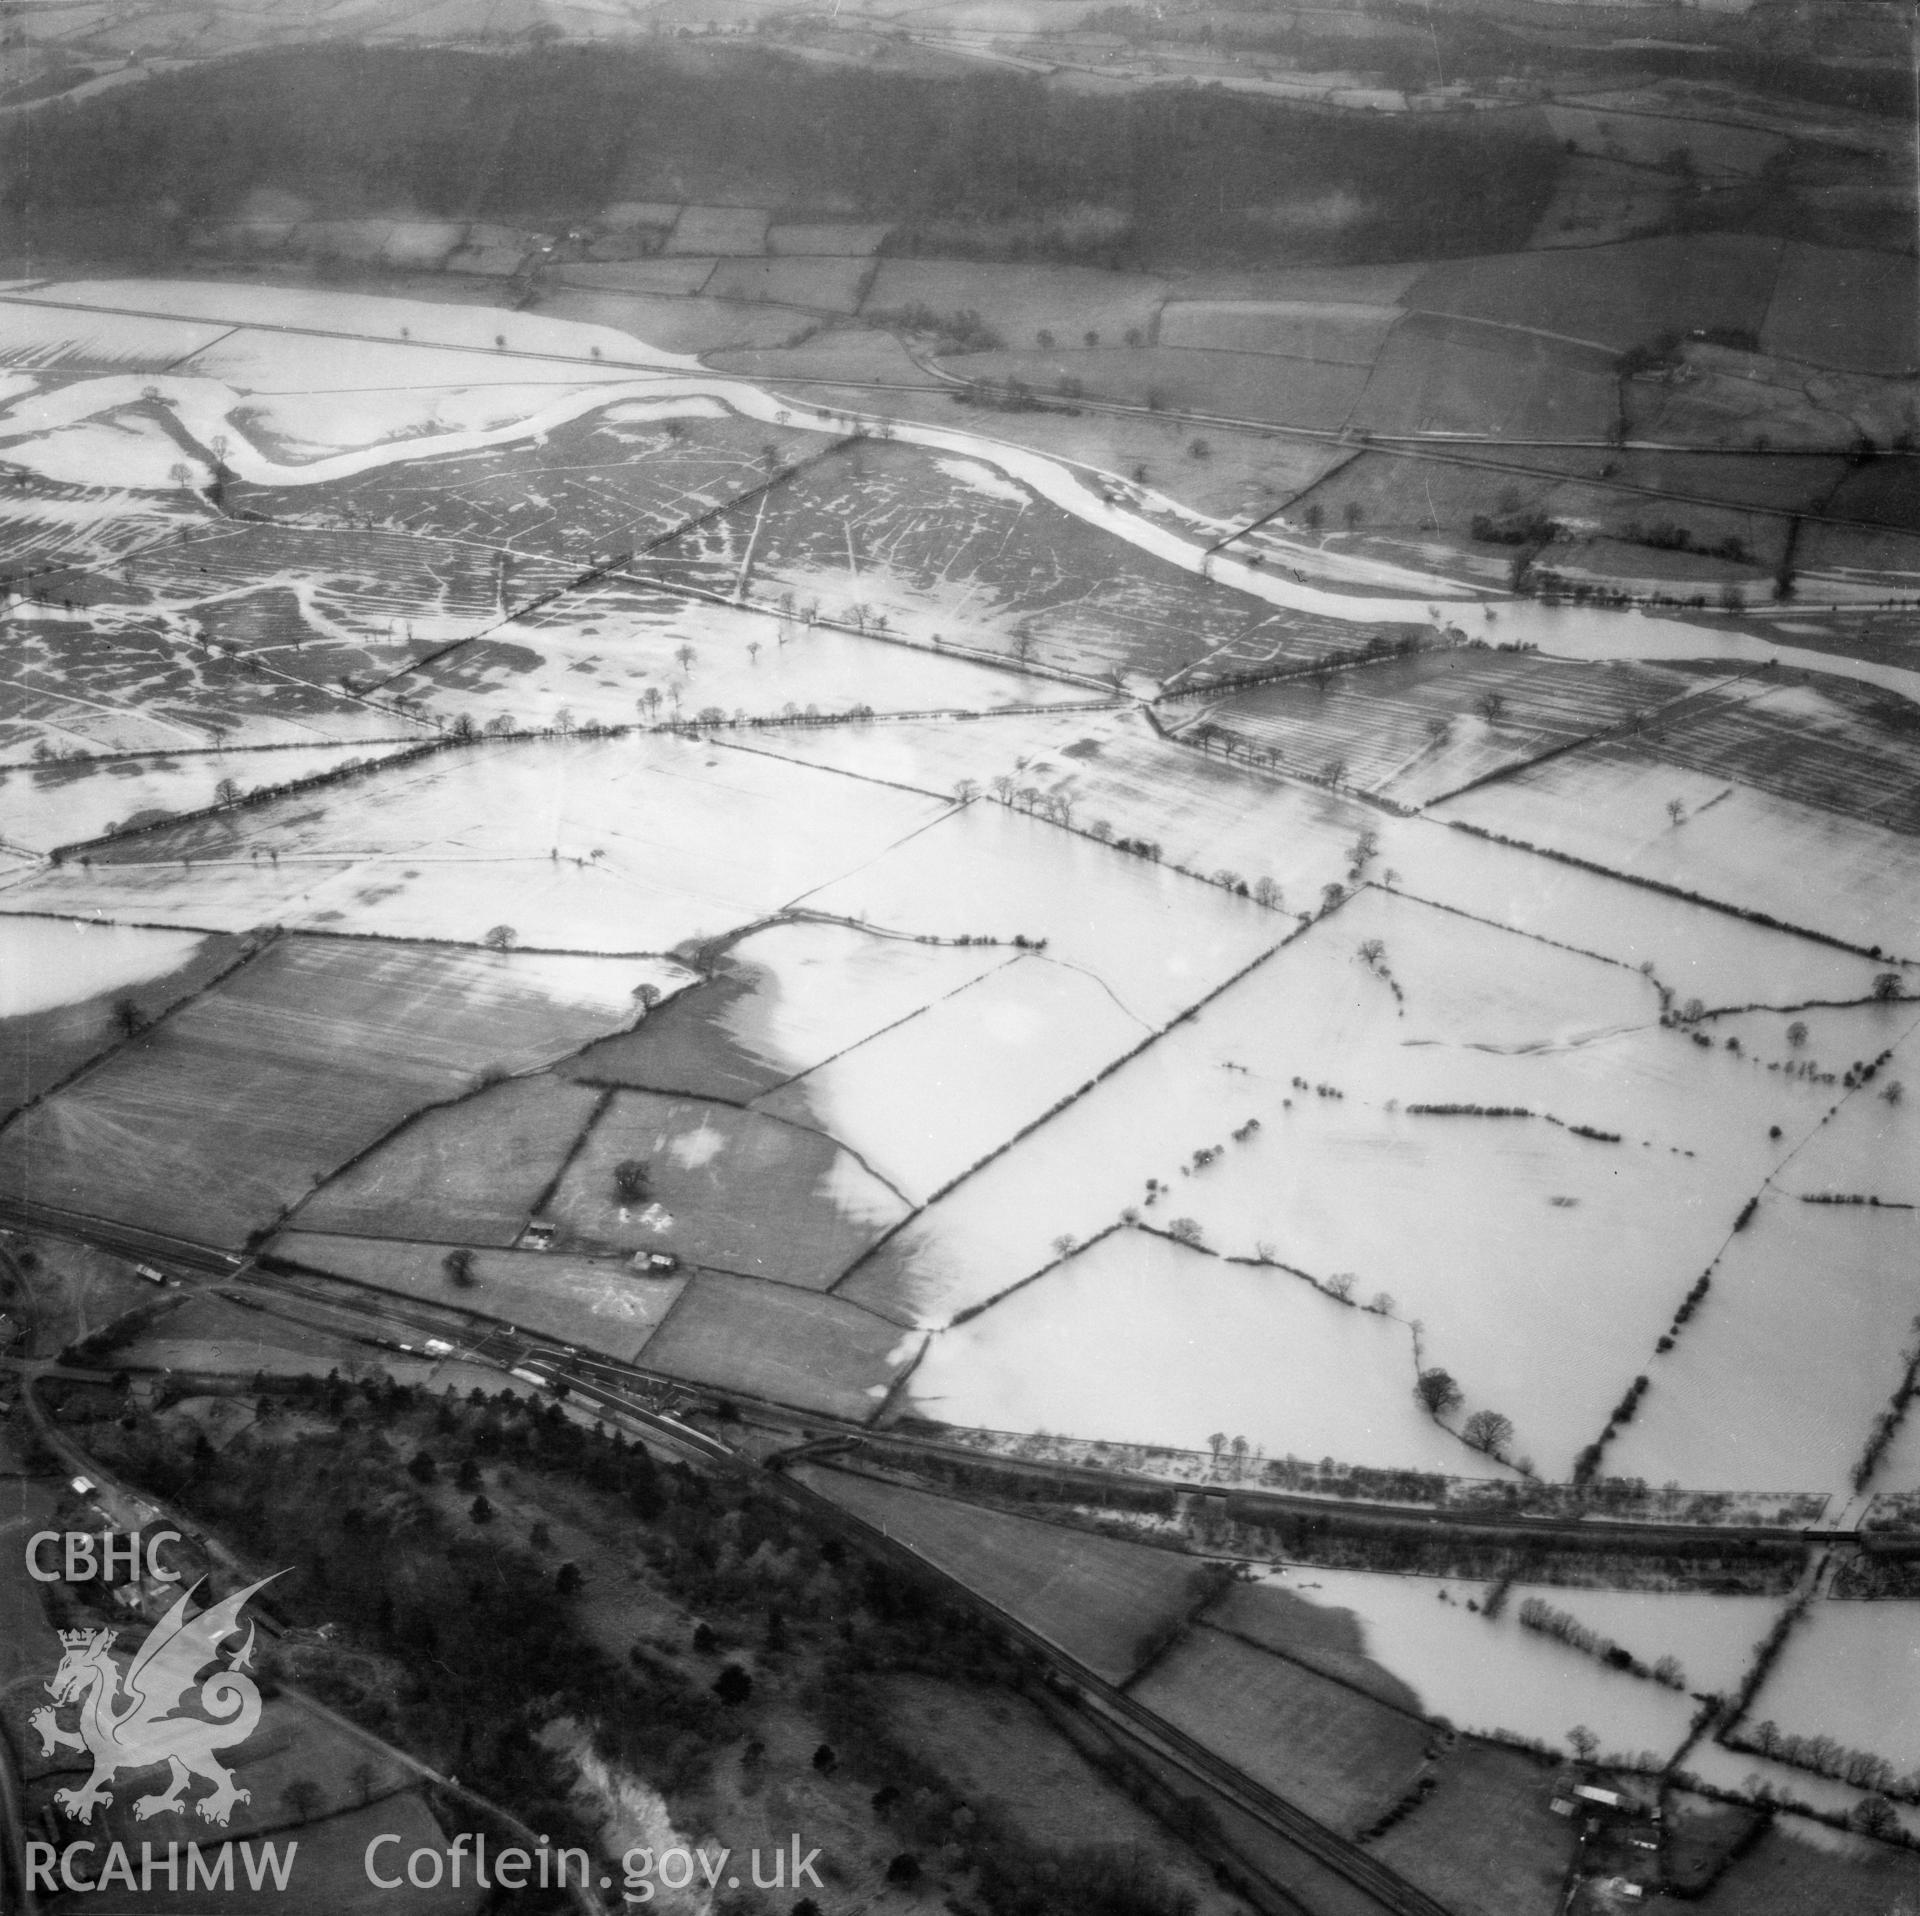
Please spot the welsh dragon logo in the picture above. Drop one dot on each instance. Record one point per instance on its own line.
(133, 1721)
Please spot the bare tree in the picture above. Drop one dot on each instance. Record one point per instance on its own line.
(500, 938)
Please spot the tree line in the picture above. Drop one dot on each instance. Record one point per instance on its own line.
(558, 132)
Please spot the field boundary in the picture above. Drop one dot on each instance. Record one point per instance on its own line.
(264, 795)
(1074, 1096)
(1765, 919)
(252, 946)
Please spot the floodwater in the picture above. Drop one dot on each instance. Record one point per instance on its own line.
(46, 962)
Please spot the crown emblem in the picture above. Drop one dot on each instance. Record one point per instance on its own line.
(79, 1639)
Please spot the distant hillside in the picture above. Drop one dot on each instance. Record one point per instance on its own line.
(555, 133)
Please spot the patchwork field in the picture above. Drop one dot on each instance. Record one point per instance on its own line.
(1055, 1042)
(734, 1190)
(1485, 1838)
(1301, 390)
(598, 1304)
(229, 1109)
(1341, 1756)
(468, 1172)
(790, 1346)
(1714, 147)
(1613, 296)
(1104, 1602)
(1018, 301)
(1325, 333)
(1443, 375)
(66, 982)
(1841, 308)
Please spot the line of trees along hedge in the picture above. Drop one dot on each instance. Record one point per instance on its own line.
(462, 135)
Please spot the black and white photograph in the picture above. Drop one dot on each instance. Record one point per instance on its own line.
(958, 957)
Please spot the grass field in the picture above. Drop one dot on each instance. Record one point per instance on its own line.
(1019, 301)
(1272, 1617)
(1451, 377)
(469, 1173)
(1340, 1756)
(671, 276)
(598, 1304)
(1717, 149)
(1612, 296)
(210, 1334)
(847, 355)
(291, 1742)
(1788, 1873)
(729, 1189)
(824, 285)
(232, 1107)
(1317, 393)
(1485, 1839)
(999, 1751)
(64, 980)
(1843, 308)
(718, 229)
(1100, 1600)
(794, 1347)
(846, 239)
(1325, 333)
(667, 324)
(1601, 200)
